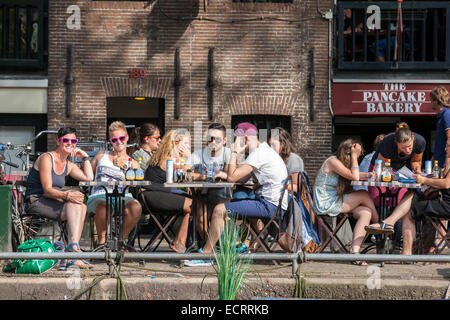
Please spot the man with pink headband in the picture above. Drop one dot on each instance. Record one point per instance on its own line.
(266, 167)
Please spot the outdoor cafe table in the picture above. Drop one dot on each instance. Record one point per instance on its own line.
(387, 198)
(197, 187)
(114, 200)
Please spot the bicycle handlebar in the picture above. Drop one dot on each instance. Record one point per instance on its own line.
(9, 163)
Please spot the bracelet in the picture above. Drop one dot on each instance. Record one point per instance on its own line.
(67, 196)
(355, 168)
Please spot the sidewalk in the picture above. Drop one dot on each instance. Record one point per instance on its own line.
(158, 280)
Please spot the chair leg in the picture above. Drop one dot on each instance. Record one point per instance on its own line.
(332, 234)
(439, 226)
(162, 231)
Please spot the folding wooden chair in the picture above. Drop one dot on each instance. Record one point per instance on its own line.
(438, 226)
(331, 232)
(271, 226)
(163, 223)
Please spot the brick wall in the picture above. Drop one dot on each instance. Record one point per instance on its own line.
(260, 67)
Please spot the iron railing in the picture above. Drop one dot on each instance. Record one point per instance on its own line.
(425, 36)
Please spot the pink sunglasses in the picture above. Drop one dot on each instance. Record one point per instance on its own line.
(115, 140)
(67, 140)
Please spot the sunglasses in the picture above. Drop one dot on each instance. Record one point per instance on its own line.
(115, 140)
(217, 139)
(67, 140)
(155, 137)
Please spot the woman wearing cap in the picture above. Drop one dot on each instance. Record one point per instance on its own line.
(111, 166)
(44, 195)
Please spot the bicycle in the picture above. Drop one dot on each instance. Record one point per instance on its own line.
(23, 227)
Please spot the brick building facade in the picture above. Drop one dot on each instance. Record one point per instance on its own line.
(260, 66)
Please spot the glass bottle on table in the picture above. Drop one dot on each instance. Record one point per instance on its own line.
(386, 174)
(139, 172)
(210, 173)
(436, 170)
(181, 175)
(175, 170)
(130, 175)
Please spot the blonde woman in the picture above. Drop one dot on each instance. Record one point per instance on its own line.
(174, 145)
(111, 166)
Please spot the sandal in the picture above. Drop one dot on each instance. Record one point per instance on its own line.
(178, 247)
(84, 265)
(384, 228)
(358, 262)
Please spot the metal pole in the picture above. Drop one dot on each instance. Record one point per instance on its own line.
(252, 256)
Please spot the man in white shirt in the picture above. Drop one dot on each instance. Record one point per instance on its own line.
(270, 171)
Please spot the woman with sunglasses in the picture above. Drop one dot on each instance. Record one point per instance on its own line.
(111, 166)
(174, 145)
(44, 196)
(148, 138)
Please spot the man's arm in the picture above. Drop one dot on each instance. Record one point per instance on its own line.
(235, 173)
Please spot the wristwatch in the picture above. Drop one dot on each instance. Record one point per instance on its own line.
(87, 158)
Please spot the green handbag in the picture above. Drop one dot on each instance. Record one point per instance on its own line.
(28, 266)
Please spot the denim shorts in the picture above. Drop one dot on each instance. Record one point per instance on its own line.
(258, 208)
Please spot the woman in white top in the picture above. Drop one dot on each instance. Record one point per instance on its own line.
(111, 166)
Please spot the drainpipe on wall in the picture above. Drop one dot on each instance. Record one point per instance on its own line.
(328, 15)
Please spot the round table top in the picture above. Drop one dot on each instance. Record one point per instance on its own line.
(133, 183)
(199, 184)
(395, 184)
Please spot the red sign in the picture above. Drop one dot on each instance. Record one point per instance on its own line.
(382, 99)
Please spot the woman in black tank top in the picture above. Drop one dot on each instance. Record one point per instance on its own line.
(45, 197)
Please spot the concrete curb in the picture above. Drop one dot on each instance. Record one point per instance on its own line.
(205, 288)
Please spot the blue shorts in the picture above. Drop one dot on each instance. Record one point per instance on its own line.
(258, 208)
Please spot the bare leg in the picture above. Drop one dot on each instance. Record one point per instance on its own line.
(74, 214)
(179, 242)
(217, 226)
(362, 215)
(132, 214)
(100, 222)
(360, 198)
(202, 215)
(401, 210)
(408, 232)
